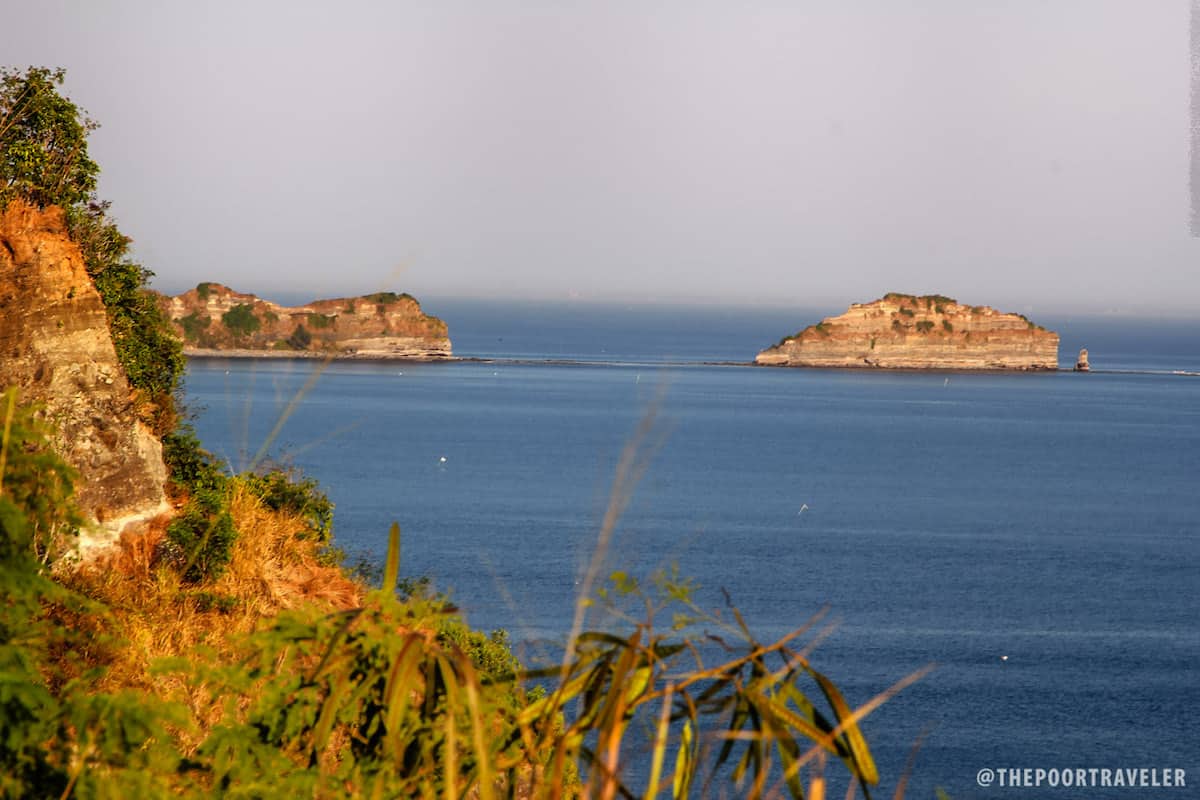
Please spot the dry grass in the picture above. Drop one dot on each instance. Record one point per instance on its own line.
(153, 614)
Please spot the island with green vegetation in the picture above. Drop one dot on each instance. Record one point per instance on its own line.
(213, 319)
(905, 331)
(170, 629)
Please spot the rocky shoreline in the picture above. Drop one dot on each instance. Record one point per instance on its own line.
(313, 355)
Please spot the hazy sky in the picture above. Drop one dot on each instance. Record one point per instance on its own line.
(1031, 155)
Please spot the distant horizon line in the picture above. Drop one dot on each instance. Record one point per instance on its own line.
(292, 297)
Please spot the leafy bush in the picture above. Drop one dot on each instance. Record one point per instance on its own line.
(388, 298)
(924, 326)
(946, 326)
(285, 490)
(200, 540)
(191, 467)
(194, 325)
(321, 321)
(37, 512)
(908, 312)
(43, 141)
(240, 320)
(203, 290)
(300, 338)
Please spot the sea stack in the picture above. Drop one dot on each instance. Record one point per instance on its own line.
(1082, 364)
(904, 331)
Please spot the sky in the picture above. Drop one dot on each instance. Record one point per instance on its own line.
(1027, 155)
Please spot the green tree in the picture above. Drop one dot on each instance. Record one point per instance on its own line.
(300, 338)
(43, 141)
(240, 320)
(44, 160)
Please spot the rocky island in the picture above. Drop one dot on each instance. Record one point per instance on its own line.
(213, 319)
(904, 331)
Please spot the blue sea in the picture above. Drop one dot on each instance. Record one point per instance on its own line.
(943, 518)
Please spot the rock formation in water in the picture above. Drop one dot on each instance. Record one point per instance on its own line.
(1081, 365)
(214, 319)
(903, 331)
(56, 348)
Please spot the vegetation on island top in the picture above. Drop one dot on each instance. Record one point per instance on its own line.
(226, 651)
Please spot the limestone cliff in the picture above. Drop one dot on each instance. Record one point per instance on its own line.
(903, 331)
(55, 347)
(215, 318)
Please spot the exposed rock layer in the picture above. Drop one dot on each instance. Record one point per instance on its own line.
(903, 331)
(55, 347)
(213, 319)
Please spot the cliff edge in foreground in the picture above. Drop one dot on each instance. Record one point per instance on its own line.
(214, 319)
(904, 331)
(55, 347)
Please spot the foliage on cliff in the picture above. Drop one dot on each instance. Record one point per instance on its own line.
(44, 160)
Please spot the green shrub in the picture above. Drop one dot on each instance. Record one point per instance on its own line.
(285, 490)
(37, 512)
(908, 312)
(240, 320)
(322, 321)
(203, 290)
(924, 326)
(388, 298)
(194, 325)
(300, 338)
(200, 540)
(947, 326)
(43, 141)
(190, 466)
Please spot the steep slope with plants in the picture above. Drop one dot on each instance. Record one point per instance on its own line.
(225, 652)
(215, 319)
(58, 351)
(904, 331)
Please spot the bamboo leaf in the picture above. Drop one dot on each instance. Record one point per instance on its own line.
(860, 755)
(391, 570)
(684, 763)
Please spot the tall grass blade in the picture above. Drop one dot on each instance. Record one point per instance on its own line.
(864, 764)
(661, 736)
(391, 570)
(11, 397)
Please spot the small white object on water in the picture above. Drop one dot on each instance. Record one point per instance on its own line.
(399, 373)
(443, 459)
(1004, 658)
(803, 508)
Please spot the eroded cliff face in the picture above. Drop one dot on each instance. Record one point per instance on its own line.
(903, 331)
(215, 318)
(55, 347)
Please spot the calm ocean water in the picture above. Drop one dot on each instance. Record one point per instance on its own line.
(948, 518)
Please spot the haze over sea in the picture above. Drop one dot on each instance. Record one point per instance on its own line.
(946, 517)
